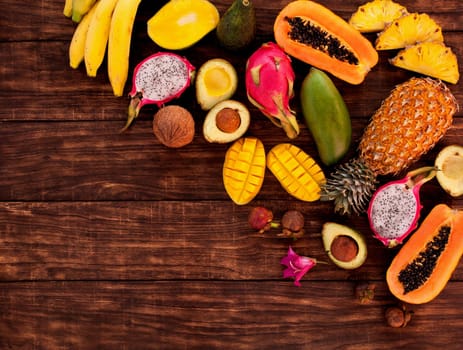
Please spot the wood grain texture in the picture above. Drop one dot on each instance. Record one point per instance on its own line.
(69, 94)
(112, 241)
(215, 315)
(163, 240)
(159, 240)
(92, 161)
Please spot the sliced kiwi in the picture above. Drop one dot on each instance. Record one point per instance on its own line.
(345, 246)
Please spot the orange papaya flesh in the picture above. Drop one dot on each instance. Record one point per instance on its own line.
(314, 34)
(423, 266)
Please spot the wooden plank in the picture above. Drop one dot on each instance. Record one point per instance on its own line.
(45, 21)
(167, 240)
(154, 240)
(44, 78)
(214, 315)
(92, 161)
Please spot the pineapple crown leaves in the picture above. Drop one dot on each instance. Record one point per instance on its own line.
(350, 186)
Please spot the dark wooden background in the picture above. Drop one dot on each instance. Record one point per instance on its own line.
(112, 241)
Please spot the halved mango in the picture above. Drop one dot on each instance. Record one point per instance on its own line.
(244, 169)
(296, 171)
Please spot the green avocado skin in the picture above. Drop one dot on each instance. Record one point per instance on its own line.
(326, 115)
(236, 28)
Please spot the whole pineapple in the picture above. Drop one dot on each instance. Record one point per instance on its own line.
(409, 122)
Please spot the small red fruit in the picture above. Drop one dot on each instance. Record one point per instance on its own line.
(260, 218)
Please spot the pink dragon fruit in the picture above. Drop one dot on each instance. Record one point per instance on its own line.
(157, 80)
(269, 86)
(395, 207)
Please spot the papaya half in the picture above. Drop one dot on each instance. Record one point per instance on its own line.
(315, 35)
(423, 266)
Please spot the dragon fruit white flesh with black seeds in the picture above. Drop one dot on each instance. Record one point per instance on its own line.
(395, 207)
(157, 80)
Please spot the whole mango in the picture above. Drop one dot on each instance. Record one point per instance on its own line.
(326, 115)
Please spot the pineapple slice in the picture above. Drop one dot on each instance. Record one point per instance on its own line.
(430, 58)
(409, 30)
(373, 16)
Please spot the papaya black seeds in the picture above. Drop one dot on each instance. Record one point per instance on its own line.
(416, 273)
(309, 34)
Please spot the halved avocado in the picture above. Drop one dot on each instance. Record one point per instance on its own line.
(216, 81)
(227, 121)
(345, 246)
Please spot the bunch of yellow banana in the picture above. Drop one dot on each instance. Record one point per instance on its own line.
(103, 25)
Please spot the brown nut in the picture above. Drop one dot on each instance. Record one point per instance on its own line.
(397, 316)
(174, 126)
(292, 224)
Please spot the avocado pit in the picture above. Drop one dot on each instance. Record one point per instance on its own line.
(228, 120)
(344, 248)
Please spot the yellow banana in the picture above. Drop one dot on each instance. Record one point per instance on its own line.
(67, 10)
(80, 8)
(120, 35)
(97, 36)
(77, 46)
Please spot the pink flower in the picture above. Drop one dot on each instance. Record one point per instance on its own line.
(297, 266)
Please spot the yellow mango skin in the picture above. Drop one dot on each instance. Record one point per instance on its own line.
(244, 169)
(181, 23)
(297, 172)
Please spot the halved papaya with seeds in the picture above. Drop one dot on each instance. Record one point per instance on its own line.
(314, 34)
(422, 268)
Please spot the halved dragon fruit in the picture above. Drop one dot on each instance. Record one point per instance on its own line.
(157, 80)
(395, 207)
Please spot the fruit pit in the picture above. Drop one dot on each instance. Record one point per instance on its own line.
(344, 248)
(228, 120)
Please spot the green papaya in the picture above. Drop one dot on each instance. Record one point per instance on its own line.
(237, 27)
(326, 116)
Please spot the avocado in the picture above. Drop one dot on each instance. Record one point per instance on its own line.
(227, 121)
(215, 81)
(237, 27)
(345, 246)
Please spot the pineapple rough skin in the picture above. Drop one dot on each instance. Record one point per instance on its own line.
(409, 122)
